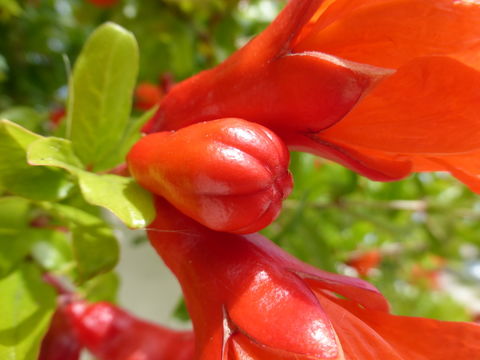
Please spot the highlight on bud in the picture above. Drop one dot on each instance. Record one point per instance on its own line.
(229, 174)
(249, 299)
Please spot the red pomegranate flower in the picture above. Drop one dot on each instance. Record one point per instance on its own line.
(248, 299)
(383, 87)
(111, 333)
(228, 174)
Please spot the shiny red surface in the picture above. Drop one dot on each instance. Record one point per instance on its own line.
(385, 88)
(111, 333)
(60, 342)
(249, 300)
(247, 296)
(228, 174)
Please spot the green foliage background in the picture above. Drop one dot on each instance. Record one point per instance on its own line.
(53, 183)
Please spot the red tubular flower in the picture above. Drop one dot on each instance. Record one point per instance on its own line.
(382, 87)
(147, 95)
(230, 175)
(60, 342)
(111, 333)
(248, 299)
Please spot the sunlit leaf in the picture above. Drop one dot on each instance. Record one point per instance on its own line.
(52, 151)
(101, 89)
(20, 178)
(103, 288)
(121, 195)
(23, 116)
(51, 249)
(14, 246)
(26, 304)
(95, 249)
(13, 212)
(132, 134)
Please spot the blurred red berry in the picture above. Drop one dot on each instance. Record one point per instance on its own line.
(365, 262)
(147, 95)
(56, 116)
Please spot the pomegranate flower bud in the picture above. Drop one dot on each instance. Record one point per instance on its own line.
(229, 174)
(248, 299)
(111, 333)
(60, 342)
(385, 88)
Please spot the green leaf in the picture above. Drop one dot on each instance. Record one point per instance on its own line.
(95, 249)
(101, 92)
(17, 176)
(51, 249)
(9, 9)
(14, 212)
(23, 116)
(52, 151)
(14, 246)
(180, 312)
(26, 304)
(103, 288)
(132, 134)
(17, 133)
(121, 195)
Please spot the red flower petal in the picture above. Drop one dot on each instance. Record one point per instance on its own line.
(390, 33)
(389, 129)
(244, 290)
(295, 93)
(355, 289)
(276, 39)
(371, 335)
(231, 284)
(241, 347)
(373, 164)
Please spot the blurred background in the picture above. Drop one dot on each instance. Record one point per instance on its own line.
(417, 240)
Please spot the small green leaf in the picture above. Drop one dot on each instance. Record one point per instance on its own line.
(14, 212)
(23, 116)
(9, 9)
(26, 304)
(180, 312)
(22, 137)
(132, 134)
(101, 91)
(17, 176)
(121, 195)
(103, 288)
(95, 248)
(52, 151)
(51, 249)
(14, 246)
